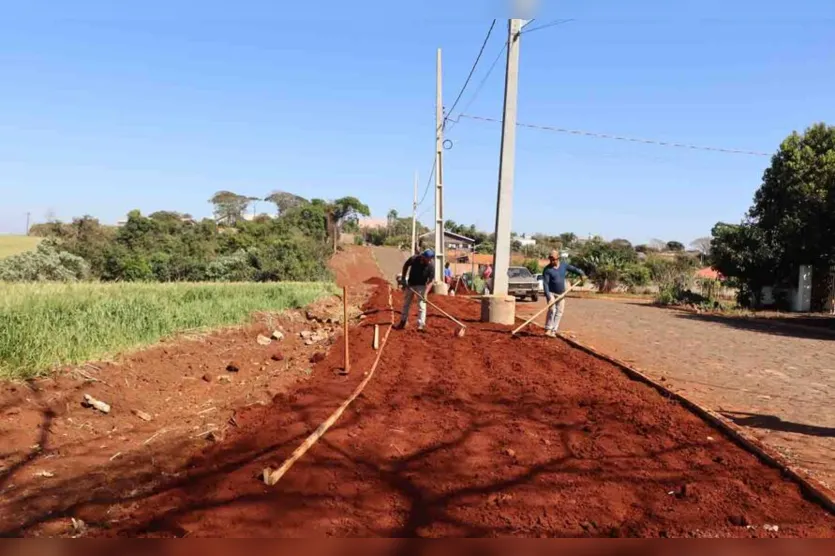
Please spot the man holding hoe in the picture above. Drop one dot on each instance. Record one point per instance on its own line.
(421, 271)
(553, 282)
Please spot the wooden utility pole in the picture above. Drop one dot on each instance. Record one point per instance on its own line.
(440, 255)
(28, 217)
(504, 205)
(414, 218)
(347, 369)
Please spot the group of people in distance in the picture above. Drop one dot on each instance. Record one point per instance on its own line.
(419, 273)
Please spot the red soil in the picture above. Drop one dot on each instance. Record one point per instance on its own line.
(481, 435)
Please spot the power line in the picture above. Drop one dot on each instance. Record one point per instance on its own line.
(480, 85)
(472, 71)
(622, 138)
(554, 23)
(429, 182)
(495, 63)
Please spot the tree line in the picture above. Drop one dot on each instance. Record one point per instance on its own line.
(294, 244)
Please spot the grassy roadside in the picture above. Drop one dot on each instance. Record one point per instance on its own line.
(44, 325)
(13, 245)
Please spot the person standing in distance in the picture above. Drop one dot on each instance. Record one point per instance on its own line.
(421, 273)
(553, 282)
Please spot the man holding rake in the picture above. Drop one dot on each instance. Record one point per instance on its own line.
(553, 281)
(421, 274)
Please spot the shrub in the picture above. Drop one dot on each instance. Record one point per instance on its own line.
(46, 263)
(533, 266)
(636, 275)
(359, 240)
(231, 268)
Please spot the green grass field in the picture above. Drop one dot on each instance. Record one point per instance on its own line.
(12, 245)
(45, 325)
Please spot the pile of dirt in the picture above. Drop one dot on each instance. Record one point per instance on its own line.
(484, 435)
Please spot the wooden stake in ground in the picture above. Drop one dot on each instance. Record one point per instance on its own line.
(270, 476)
(376, 344)
(347, 368)
(548, 306)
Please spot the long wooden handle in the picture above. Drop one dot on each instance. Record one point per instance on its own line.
(550, 304)
(345, 327)
(447, 315)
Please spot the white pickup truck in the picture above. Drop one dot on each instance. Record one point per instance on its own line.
(521, 283)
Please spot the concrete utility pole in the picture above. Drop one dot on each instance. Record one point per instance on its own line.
(28, 216)
(414, 218)
(500, 308)
(440, 251)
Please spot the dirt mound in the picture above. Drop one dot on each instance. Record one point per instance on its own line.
(483, 435)
(376, 281)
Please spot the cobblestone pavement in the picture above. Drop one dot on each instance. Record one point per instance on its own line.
(777, 381)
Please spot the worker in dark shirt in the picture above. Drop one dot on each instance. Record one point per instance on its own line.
(553, 282)
(421, 274)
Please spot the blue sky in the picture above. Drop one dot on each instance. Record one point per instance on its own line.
(106, 107)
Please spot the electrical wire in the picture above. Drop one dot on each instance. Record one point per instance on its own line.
(621, 137)
(472, 71)
(554, 23)
(429, 182)
(480, 86)
(495, 63)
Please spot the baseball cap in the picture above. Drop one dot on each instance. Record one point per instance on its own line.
(429, 254)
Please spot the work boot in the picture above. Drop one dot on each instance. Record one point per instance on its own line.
(551, 333)
(400, 325)
(421, 328)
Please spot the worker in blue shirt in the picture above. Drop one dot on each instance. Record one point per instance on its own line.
(553, 282)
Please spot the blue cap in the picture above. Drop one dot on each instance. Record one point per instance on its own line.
(429, 254)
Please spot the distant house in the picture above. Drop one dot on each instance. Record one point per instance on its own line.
(452, 242)
(525, 241)
(708, 273)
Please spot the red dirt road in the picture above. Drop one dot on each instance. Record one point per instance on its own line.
(476, 436)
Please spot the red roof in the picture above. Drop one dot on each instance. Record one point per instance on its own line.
(709, 273)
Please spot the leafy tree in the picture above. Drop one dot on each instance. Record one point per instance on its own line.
(795, 205)
(675, 246)
(673, 276)
(486, 248)
(284, 201)
(568, 239)
(605, 263)
(791, 223)
(741, 252)
(623, 243)
(339, 210)
(229, 207)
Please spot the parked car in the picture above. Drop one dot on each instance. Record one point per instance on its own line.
(521, 283)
